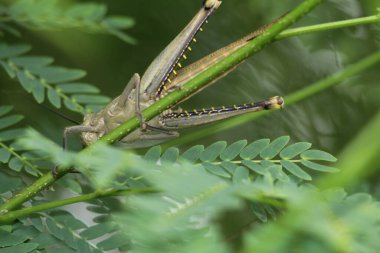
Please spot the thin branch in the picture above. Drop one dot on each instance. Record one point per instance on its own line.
(328, 26)
(11, 216)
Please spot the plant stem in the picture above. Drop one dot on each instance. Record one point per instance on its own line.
(328, 26)
(190, 87)
(11, 216)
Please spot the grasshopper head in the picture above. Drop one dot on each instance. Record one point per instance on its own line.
(96, 121)
(211, 4)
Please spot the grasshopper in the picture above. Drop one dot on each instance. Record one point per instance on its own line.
(165, 74)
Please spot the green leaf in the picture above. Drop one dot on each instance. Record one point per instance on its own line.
(4, 155)
(71, 184)
(21, 248)
(259, 211)
(87, 11)
(25, 81)
(36, 221)
(276, 171)
(229, 166)
(38, 91)
(318, 156)
(10, 120)
(32, 61)
(359, 198)
(84, 247)
(54, 229)
(58, 74)
(31, 171)
(294, 150)
(232, 151)
(15, 164)
(216, 170)
(10, 71)
(51, 15)
(124, 37)
(255, 167)
(97, 231)
(5, 109)
(295, 170)
(241, 175)
(67, 219)
(10, 30)
(115, 241)
(274, 148)
(91, 99)
(77, 88)
(270, 211)
(68, 238)
(119, 22)
(193, 154)
(100, 219)
(46, 241)
(170, 156)
(253, 149)
(71, 105)
(319, 167)
(54, 98)
(98, 209)
(11, 134)
(335, 195)
(153, 154)
(28, 231)
(213, 151)
(8, 239)
(7, 51)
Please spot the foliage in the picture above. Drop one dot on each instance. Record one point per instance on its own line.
(36, 76)
(249, 196)
(56, 230)
(235, 162)
(12, 154)
(197, 203)
(49, 15)
(35, 73)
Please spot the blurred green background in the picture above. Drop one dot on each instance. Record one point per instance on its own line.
(329, 120)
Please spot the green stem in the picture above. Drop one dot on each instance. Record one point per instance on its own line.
(328, 26)
(170, 100)
(11, 216)
(258, 161)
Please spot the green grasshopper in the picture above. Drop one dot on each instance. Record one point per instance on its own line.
(165, 74)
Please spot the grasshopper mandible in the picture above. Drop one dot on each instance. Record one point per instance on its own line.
(163, 76)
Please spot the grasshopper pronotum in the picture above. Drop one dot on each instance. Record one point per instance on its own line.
(164, 75)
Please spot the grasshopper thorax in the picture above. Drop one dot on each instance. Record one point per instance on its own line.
(112, 116)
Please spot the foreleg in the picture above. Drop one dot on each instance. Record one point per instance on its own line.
(68, 131)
